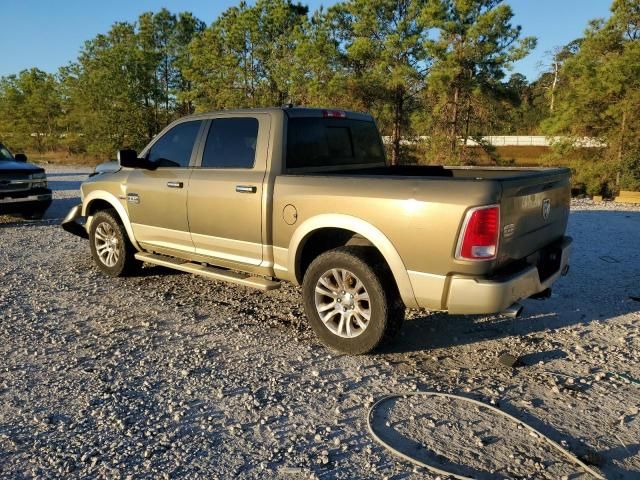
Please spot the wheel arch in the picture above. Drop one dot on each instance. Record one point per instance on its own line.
(100, 200)
(366, 233)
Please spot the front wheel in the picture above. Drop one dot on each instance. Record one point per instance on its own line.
(351, 300)
(110, 247)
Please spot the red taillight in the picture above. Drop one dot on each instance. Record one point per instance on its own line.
(480, 233)
(334, 114)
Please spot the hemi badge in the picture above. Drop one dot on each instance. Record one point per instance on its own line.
(508, 230)
(133, 198)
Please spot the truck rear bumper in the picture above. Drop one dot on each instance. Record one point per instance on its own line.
(469, 295)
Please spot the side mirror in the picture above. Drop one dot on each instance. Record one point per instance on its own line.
(129, 158)
(20, 157)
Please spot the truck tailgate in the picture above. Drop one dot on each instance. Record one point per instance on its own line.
(534, 212)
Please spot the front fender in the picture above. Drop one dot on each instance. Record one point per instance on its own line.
(117, 206)
(368, 231)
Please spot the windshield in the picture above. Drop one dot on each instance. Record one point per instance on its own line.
(4, 153)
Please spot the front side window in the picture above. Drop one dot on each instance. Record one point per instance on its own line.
(231, 143)
(174, 148)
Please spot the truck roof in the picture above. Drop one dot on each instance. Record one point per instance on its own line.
(295, 112)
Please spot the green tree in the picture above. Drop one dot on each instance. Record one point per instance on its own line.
(382, 45)
(316, 76)
(30, 110)
(128, 84)
(243, 59)
(601, 96)
(476, 43)
(106, 92)
(188, 27)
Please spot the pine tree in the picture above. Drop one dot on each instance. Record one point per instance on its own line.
(476, 43)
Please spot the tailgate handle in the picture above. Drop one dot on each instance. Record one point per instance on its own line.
(175, 184)
(246, 189)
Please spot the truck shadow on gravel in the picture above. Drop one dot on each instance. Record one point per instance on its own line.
(603, 281)
(54, 214)
(57, 185)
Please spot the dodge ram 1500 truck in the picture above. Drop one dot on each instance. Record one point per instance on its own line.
(23, 186)
(302, 195)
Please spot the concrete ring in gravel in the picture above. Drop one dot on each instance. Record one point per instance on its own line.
(478, 405)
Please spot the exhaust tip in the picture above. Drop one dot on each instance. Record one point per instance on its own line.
(514, 311)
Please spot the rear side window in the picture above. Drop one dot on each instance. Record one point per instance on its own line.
(174, 148)
(231, 143)
(319, 142)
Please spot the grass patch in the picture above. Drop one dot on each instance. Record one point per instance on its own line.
(64, 158)
(522, 156)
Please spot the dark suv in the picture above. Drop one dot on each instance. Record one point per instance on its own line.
(23, 186)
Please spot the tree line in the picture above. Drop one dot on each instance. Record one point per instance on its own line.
(423, 68)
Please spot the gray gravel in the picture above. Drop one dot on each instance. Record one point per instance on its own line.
(170, 375)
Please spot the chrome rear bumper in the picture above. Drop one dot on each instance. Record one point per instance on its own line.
(469, 295)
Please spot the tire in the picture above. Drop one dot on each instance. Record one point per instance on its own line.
(370, 305)
(111, 249)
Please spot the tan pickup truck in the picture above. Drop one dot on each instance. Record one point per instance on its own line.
(257, 197)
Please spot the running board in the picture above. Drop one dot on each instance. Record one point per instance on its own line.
(214, 273)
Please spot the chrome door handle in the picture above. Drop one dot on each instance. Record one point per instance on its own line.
(175, 184)
(246, 189)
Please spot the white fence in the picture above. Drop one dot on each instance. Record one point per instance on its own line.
(519, 141)
(535, 141)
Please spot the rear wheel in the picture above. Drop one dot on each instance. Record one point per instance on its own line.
(351, 300)
(111, 249)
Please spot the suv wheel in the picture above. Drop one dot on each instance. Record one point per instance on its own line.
(350, 300)
(111, 249)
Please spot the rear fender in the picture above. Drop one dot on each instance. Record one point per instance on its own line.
(368, 231)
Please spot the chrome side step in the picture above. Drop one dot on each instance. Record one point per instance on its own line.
(244, 279)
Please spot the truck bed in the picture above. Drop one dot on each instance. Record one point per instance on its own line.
(525, 226)
(461, 172)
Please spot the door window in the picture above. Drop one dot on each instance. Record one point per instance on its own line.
(174, 148)
(231, 143)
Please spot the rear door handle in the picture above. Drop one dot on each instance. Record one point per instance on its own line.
(246, 189)
(175, 184)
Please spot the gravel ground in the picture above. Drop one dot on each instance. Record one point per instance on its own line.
(167, 375)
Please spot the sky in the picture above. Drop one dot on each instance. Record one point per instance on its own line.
(49, 34)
